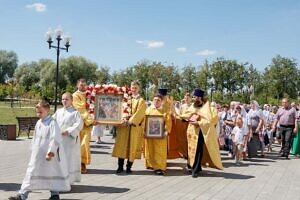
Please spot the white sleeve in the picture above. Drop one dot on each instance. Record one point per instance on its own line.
(55, 137)
(75, 129)
(233, 132)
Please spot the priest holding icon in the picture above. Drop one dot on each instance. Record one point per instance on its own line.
(203, 147)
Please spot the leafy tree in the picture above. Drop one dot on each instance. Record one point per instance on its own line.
(102, 75)
(27, 74)
(76, 67)
(189, 78)
(203, 76)
(8, 64)
(283, 77)
(3, 91)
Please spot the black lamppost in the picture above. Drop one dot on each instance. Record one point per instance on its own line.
(59, 38)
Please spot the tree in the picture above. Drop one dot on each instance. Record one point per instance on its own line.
(102, 75)
(3, 91)
(189, 78)
(203, 76)
(28, 74)
(8, 64)
(283, 77)
(76, 67)
(252, 78)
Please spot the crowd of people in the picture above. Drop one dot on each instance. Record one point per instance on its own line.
(243, 130)
(194, 129)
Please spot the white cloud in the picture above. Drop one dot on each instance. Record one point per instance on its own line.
(38, 7)
(151, 44)
(206, 52)
(181, 49)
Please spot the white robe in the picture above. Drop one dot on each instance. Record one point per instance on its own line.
(98, 130)
(42, 174)
(69, 120)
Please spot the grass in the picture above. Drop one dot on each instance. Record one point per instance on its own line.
(8, 115)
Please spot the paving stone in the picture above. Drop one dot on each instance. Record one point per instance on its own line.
(258, 178)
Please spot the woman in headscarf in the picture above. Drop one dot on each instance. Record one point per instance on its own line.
(255, 135)
(228, 124)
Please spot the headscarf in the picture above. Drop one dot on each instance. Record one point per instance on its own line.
(255, 110)
(243, 110)
(256, 105)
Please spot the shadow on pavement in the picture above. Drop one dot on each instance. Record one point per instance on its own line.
(99, 146)
(63, 198)
(232, 164)
(225, 175)
(227, 158)
(16, 140)
(176, 164)
(261, 160)
(109, 171)
(169, 172)
(100, 171)
(98, 189)
(10, 186)
(75, 188)
(102, 142)
(99, 152)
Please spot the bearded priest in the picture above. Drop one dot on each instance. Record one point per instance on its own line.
(79, 103)
(203, 147)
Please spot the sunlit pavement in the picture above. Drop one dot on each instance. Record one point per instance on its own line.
(259, 178)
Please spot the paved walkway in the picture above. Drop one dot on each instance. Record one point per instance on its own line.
(260, 178)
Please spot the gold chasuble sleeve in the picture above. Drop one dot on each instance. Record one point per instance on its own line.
(79, 103)
(138, 108)
(168, 122)
(129, 139)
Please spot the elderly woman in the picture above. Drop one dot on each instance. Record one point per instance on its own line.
(255, 135)
(228, 124)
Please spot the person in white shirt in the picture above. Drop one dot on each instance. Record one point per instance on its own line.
(47, 168)
(241, 112)
(70, 124)
(239, 139)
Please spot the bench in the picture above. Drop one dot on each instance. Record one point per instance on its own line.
(7, 132)
(26, 124)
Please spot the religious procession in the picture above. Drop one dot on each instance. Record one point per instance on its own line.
(193, 129)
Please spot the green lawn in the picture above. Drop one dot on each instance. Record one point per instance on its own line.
(17, 104)
(8, 115)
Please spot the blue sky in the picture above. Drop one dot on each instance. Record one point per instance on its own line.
(119, 33)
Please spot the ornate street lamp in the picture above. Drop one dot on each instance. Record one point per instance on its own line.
(59, 37)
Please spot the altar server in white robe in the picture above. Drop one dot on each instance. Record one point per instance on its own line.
(47, 168)
(70, 123)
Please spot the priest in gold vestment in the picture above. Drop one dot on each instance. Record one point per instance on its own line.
(129, 138)
(203, 146)
(79, 103)
(156, 148)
